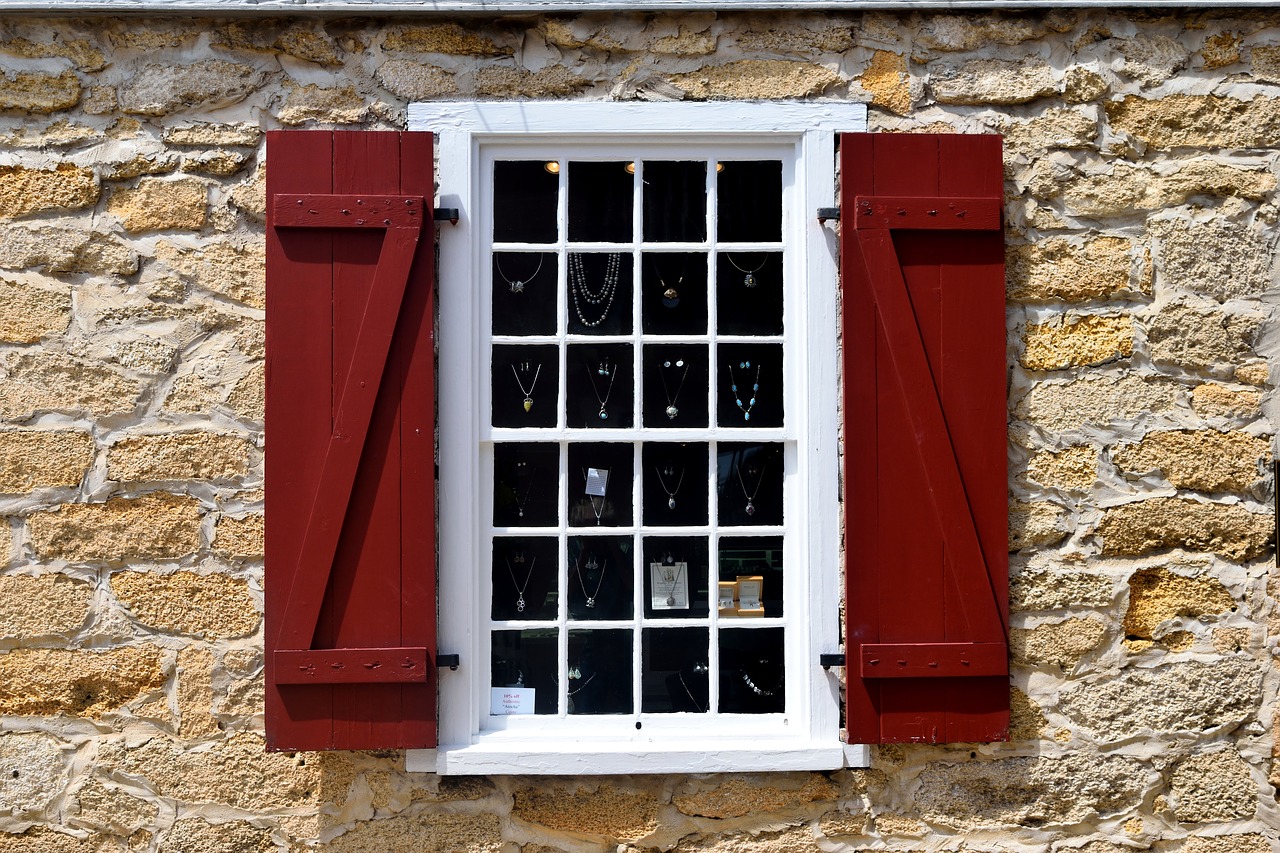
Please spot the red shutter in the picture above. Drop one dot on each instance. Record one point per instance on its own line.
(922, 256)
(350, 448)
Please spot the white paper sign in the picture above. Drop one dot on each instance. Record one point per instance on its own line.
(669, 586)
(511, 700)
(597, 481)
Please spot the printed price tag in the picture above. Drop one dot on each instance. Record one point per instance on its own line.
(597, 481)
(511, 700)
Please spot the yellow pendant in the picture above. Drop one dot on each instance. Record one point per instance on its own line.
(528, 403)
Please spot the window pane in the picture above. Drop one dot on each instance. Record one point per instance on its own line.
(600, 485)
(673, 294)
(525, 661)
(675, 484)
(675, 201)
(675, 577)
(749, 205)
(753, 565)
(524, 484)
(752, 671)
(749, 293)
(600, 577)
(524, 202)
(524, 578)
(749, 483)
(599, 386)
(675, 386)
(599, 300)
(675, 671)
(749, 389)
(524, 386)
(524, 293)
(600, 207)
(599, 672)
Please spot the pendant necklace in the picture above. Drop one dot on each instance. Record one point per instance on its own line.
(749, 279)
(670, 295)
(605, 369)
(671, 577)
(672, 411)
(579, 290)
(759, 691)
(671, 493)
(522, 501)
(689, 693)
(591, 599)
(528, 392)
(755, 387)
(518, 285)
(520, 589)
(751, 497)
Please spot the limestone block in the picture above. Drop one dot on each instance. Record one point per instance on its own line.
(1247, 843)
(1026, 721)
(194, 835)
(64, 187)
(992, 81)
(796, 839)
(1077, 341)
(1204, 460)
(416, 81)
(251, 196)
(428, 833)
(1200, 339)
(737, 798)
(841, 823)
(442, 38)
(63, 605)
(195, 693)
(240, 537)
(157, 526)
(1231, 640)
(248, 398)
(190, 394)
(157, 90)
(29, 313)
(100, 101)
(1190, 697)
(756, 79)
(605, 811)
(209, 135)
(141, 164)
(6, 542)
(77, 683)
(231, 269)
(1058, 269)
(156, 205)
(1152, 525)
(1264, 62)
(112, 809)
(1060, 644)
(1057, 128)
(44, 381)
(212, 606)
(85, 56)
(312, 103)
(178, 456)
(1217, 258)
(1059, 406)
(1254, 374)
(1213, 786)
(64, 250)
(1212, 400)
(1082, 85)
(1039, 524)
(1152, 58)
(1200, 121)
(1157, 595)
(1047, 589)
(1220, 50)
(1126, 189)
(509, 82)
(33, 92)
(686, 42)
(1028, 791)
(1072, 469)
(968, 32)
(32, 459)
(299, 41)
(48, 841)
(33, 770)
(218, 163)
(888, 81)
(807, 36)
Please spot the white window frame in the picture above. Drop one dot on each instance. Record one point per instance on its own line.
(809, 740)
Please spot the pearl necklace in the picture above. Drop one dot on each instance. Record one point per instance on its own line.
(579, 290)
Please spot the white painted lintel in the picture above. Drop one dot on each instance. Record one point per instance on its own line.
(586, 759)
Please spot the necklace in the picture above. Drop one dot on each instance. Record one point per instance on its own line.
(759, 691)
(579, 290)
(755, 386)
(604, 370)
(672, 411)
(689, 693)
(671, 493)
(528, 392)
(522, 501)
(749, 280)
(591, 599)
(670, 296)
(751, 498)
(671, 578)
(520, 589)
(518, 285)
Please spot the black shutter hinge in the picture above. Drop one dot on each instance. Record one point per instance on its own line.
(831, 213)
(451, 661)
(449, 213)
(829, 659)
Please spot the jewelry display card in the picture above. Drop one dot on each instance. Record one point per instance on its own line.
(597, 481)
(669, 586)
(728, 598)
(750, 590)
(511, 700)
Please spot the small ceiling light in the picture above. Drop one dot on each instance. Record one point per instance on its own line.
(552, 166)
(719, 167)
(631, 168)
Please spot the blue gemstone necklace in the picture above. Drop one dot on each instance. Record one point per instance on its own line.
(755, 387)
(605, 369)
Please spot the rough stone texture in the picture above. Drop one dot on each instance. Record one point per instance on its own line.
(1126, 189)
(179, 456)
(1143, 526)
(1072, 469)
(416, 81)
(1213, 786)
(1060, 269)
(756, 79)
(112, 809)
(552, 81)
(1026, 722)
(63, 187)
(42, 605)
(248, 398)
(31, 459)
(1257, 373)
(1036, 524)
(108, 531)
(1062, 406)
(605, 811)
(1212, 400)
(65, 250)
(1204, 460)
(442, 38)
(40, 93)
(1200, 121)
(84, 55)
(953, 32)
(32, 768)
(186, 603)
(193, 835)
(312, 103)
(1264, 61)
(157, 90)
(1246, 843)
(6, 542)
(1028, 791)
(425, 833)
(230, 269)
(887, 80)
(1190, 697)
(736, 798)
(239, 537)
(1060, 644)
(1077, 341)
(1220, 50)
(33, 382)
(992, 81)
(195, 693)
(1217, 258)
(1060, 129)
(157, 205)
(78, 683)
(798, 839)
(204, 134)
(1044, 589)
(220, 164)
(1200, 340)
(1156, 595)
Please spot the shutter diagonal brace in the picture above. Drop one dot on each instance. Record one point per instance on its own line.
(945, 486)
(402, 218)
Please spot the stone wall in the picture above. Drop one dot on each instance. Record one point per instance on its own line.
(1142, 155)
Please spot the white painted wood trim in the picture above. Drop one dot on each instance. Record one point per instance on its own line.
(578, 758)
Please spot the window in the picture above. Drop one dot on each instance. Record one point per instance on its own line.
(638, 371)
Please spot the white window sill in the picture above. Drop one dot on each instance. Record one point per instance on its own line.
(584, 758)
